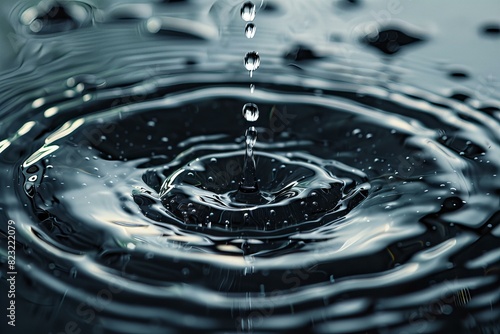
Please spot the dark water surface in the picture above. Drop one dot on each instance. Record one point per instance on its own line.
(377, 159)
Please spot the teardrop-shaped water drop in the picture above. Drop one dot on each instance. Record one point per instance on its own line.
(251, 112)
(250, 30)
(251, 136)
(252, 61)
(248, 11)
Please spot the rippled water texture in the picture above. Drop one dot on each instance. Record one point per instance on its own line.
(377, 163)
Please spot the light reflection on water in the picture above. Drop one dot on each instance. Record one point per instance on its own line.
(102, 102)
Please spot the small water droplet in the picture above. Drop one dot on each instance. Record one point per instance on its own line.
(248, 11)
(252, 88)
(29, 15)
(250, 30)
(252, 61)
(153, 25)
(36, 26)
(251, 136)
(251, 112)
(446, 309)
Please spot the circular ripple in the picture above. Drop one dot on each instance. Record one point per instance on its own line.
(386, 185)
(97, 150)
(292, 191)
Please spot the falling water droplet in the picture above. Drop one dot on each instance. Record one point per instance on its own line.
(252, 88)
(250, 112)
(250, 30)
(251, 137)
(248, 11)
(252, 61)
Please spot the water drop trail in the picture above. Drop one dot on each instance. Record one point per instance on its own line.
(250, 112)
